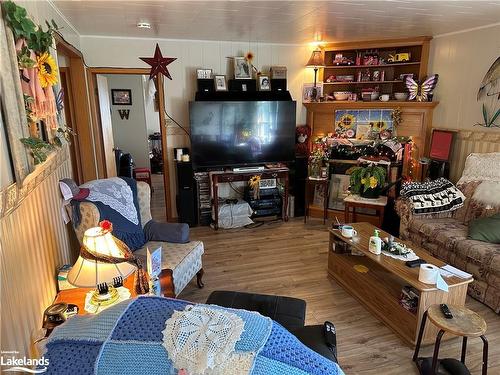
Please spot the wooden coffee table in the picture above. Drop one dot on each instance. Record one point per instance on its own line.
(377, 281)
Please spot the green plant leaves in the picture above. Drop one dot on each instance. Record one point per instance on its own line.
(39, 148)
(17, 19)
(23, 27)
(360, 177)
(492, 121)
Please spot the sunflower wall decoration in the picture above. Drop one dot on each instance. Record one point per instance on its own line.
(47, 70)
(38, 73)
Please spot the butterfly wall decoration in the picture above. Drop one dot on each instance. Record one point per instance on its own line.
(421, 91)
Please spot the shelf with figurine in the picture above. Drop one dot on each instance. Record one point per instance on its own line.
(387, 65)
(361, 82)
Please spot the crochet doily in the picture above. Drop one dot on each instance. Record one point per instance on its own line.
(200, 339)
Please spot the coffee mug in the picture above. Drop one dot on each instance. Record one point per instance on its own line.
(348, 231)
(384, 97)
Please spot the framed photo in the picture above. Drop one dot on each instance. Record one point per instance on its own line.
(203, 73)
(242, 68)
(264, 83)
(307, 92)
(121, 96)
(220, 83)
(278, 72)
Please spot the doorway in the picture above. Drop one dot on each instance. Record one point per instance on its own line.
(130, 114)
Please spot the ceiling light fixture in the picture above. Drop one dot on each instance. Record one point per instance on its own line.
(143, 25)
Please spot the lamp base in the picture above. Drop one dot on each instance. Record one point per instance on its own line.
(104, 299)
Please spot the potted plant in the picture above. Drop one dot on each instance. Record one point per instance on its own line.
(367, 181)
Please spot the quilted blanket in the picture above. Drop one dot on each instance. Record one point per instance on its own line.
(433, 196)
(154, 335)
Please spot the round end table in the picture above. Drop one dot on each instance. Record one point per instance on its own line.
(465, 323)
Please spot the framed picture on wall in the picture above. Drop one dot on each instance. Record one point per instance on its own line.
(121, 96)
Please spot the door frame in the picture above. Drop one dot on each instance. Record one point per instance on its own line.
(96, 123)
(82, 149)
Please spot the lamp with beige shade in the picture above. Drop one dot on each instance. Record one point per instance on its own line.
(104, 263)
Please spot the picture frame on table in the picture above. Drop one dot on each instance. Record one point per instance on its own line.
(242, 68)
(264, 83)
(203, 73)
(121, 96)
(307, 92)
(220, 82)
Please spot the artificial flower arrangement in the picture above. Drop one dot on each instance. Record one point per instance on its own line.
(320, 154)
(367, 181)
(254, 184)
(39, 74)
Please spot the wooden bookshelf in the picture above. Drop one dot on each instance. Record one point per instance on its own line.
(363, 82)
(417, 47)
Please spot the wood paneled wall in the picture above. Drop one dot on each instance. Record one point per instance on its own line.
(469, 141)
(34, 242)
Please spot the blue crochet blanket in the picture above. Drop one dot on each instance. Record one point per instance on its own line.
(128, 339)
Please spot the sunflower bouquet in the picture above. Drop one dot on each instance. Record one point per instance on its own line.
(367, 181)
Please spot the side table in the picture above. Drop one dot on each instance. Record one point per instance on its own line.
(311, 183)
(76, 296)
(465, 323)
(354, 201)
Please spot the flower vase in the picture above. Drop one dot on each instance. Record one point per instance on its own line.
(256, 192)
(315, 170)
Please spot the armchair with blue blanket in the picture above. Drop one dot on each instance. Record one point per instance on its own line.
(179, 255)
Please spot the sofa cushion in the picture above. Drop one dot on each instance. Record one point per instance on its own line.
(447, 240)
(485, 229)
(439, 236)
(183, 259)
(473, 207)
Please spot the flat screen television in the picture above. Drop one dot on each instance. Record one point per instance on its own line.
(241, 133)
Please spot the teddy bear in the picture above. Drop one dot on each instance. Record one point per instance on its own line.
(302, 136)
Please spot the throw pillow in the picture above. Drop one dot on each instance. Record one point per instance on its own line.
(485, 229)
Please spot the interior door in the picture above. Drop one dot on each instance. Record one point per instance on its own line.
(106, 125)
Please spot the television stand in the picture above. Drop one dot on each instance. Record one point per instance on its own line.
(232, 176)
(255, 168)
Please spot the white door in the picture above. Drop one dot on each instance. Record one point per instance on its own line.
(106, 125)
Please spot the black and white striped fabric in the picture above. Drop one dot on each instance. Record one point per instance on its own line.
(433, 196)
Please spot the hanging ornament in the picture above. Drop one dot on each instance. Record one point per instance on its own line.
(158, 63)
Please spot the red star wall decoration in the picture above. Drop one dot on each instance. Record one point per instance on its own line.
(158, 63)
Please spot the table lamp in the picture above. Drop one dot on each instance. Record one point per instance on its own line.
(103, 261)
(316, 61)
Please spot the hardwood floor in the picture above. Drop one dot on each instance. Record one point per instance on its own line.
(158, 211)
(291, 259)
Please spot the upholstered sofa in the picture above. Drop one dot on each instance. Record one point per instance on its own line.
(444, 235)
(183, 260)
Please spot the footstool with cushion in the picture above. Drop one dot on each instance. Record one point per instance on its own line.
(288, 311)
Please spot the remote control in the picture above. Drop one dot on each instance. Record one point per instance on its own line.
(330, 337)
(446, 311)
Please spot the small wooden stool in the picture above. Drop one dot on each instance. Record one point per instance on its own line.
(312, 182)
(465, 323)
(354, 201)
